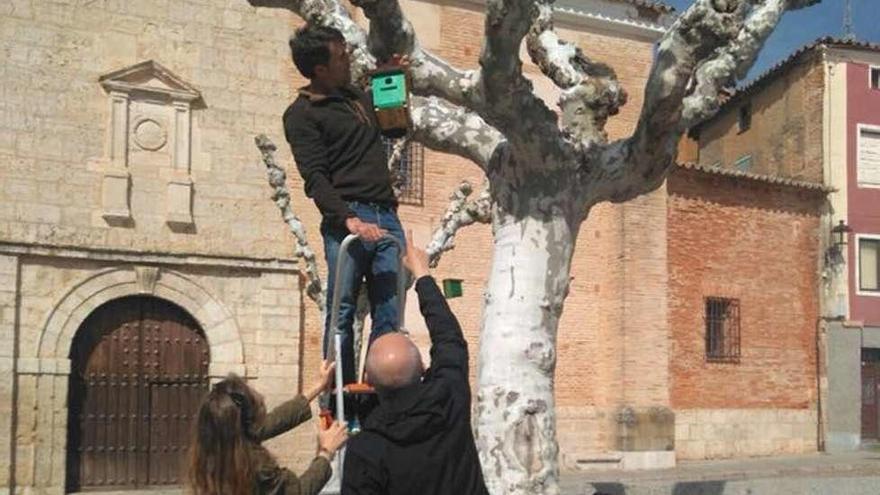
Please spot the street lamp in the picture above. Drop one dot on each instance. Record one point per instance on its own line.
(840, 234)
(839, 237)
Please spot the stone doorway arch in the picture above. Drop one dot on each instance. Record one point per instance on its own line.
(139, 369)
(50, 365)
(218, 323)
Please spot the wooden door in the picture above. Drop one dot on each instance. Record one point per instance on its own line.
(139, 371)
(870, 394)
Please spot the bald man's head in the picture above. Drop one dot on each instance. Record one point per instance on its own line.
(393, 362)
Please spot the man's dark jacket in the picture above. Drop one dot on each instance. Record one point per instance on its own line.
(339, 151)
(419, 441)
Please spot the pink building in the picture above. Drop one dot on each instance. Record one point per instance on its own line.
(863, 187)
(863, 217)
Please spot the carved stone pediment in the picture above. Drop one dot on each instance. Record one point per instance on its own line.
(152, 80)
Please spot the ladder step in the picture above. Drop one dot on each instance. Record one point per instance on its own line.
(358, 388)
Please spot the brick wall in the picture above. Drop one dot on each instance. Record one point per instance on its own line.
(785, 138)
(757, 244)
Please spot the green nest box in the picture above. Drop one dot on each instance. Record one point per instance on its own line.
(391, 102)
(389, 89)
(452, 288)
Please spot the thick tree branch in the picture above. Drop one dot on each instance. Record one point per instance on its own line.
(507, 22)
(390, 32)
(511, 105)
(445, 127)
(590, 90)
(639, 164)
(331, 13)
(733, 61)
(502, 101)
(460, 213)
(281, 197)
(433, 76)
(563, 62)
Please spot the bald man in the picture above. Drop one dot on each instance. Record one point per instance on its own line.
(418, 440)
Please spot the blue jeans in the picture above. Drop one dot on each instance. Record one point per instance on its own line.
(378, 262)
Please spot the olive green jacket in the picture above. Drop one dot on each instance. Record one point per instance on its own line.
(273, 479)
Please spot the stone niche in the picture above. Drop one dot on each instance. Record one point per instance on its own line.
(150, 133)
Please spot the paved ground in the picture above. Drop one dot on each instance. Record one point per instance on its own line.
(820, 474)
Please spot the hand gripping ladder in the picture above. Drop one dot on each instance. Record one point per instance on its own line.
(341, 262)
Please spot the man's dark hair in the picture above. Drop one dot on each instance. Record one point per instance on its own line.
(310, 47)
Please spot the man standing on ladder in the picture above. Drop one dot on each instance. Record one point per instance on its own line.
(337, 144)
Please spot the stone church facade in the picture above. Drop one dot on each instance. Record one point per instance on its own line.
(140, 256)
(130, 179)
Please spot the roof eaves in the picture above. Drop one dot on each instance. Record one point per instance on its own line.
(649, 4)
(750, 176)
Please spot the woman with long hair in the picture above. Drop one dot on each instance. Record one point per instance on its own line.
(227, 458)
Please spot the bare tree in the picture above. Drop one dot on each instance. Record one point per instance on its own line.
(545, 173)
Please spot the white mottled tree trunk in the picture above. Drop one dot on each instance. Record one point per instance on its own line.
(516, 415)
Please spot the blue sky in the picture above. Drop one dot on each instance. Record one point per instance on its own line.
(800, 27)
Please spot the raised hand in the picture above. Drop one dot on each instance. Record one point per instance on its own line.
(416, 259)
(325, 379)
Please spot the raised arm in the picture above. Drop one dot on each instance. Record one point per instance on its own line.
(284, 418)
(449, 353)
(295, 411)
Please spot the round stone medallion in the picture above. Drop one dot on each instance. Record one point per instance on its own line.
(149, 134)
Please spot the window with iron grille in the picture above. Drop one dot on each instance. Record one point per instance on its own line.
(722, 330)
(411, 172)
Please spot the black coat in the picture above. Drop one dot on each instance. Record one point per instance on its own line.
(419, 441)
(339, 151)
